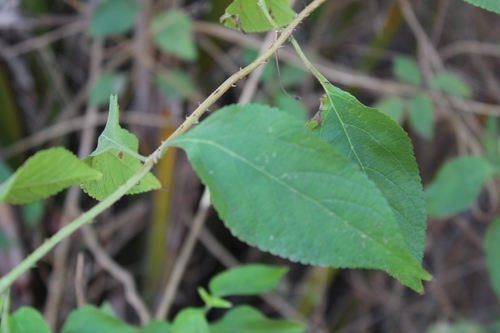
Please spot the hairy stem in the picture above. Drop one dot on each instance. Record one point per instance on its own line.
(49, 244)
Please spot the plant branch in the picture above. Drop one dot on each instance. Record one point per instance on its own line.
(87, 217)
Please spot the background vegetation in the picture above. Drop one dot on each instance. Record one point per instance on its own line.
(432, 65)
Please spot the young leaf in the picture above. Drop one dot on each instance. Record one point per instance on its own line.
(394, 107)
(107, 84)
(28, 320)
(248, 16)
(44, 174)
(406, 69)
(245, 319)
(451, 84)
(117, 159)
(456, 185)
(90, 319)
(172, 32)
(384, 152)
(492, 251)
(421, 115)
(156, 326)
(190, 320)
(278, 186)
(252, 279)
(213, 301)
(491, 5)
(112, 17)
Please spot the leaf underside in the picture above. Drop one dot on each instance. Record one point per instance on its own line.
(384, 152)
(280, 187)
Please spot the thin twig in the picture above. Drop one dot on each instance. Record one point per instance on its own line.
(115, 270)
(183, 259)
(254, 78)
(42, 41)
(79, 283)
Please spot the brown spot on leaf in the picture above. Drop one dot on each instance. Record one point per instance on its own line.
(120, 155)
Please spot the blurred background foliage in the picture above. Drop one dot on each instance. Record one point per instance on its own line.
(433, 66)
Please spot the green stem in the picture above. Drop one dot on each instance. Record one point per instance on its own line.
(49, 244)
(322, 80)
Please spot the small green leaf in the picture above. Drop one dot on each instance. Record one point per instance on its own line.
(492, 250)
(212, 301)
(491, 5)
(248, 16)
(176, 83)
(107, 84)
(46, 173)
(456, 185)
(277, 192)
(407, 70)
(451, 84)
(252, 279)
(190, 320)
(117, 158)
(245, 319)
(172, 33)
(421, 115)
(112, 17)
(383, 151)
(394, 107)
(156, 326)
(28, 320)
(90, 319)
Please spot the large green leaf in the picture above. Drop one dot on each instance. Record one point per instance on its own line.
(492, 251)
(456, 185)
(384, 152)
(252, 279)
(90, 319)
(492, 5)
(117, 159)
(280, 187)
(172, 32)
(190, 320)
(248, 16)
(44, 174)
(112, 17)
(245, 319)
(28, 320)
